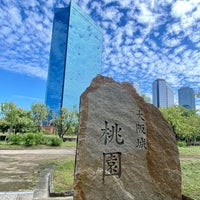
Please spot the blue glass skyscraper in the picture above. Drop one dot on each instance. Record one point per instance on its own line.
(75, 57)
(186, 97)
(163, 95)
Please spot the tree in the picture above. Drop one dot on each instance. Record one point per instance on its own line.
(174, 117)
(146, 98)
(194, 123)
(66, 122)
(39, 114)
(4, 125)
(24, 121)
(184, 122)
(9, 113)
(14, 118)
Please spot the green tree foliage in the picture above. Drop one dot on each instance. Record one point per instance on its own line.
(14, 118)
(14, 139)
(146, 98)
(66, 122)
(194, 122)
(39, 114)
(9, 113)
(24, 121)
(4, 125)
(184, 122)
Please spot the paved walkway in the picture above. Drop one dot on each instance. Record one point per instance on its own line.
(41, 192)
(16, 195)
(27, 196)
(66, 151)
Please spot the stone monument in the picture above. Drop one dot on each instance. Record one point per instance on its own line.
(125, 148)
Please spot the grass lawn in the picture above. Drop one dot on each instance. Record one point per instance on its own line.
(191, 178)
(189, 151)
(64, 171)
(63, 175)
(190, 167)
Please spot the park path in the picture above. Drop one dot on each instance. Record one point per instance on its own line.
(14, 164)
(190, 157)
(16, 195)
(61, 151)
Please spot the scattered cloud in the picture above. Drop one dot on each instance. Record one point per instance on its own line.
(143, 40)
(28, 98)
(182, 8)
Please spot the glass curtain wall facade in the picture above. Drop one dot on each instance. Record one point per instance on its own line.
(75, 57)
(163, 95)
(186, 97)
(57, 57)
(170, 95)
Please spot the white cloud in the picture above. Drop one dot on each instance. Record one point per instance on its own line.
(181, 8)
(188, 12)
(50, 3)
(179, 49)
(171, 42)
(127, 3)
(28, 98)
(112, 13)
(142, 39)
(146, 16)
(23, 68)
(97, 6)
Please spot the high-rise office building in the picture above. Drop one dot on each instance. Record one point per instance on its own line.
(75, 57)
(163, 95)
(186, 97)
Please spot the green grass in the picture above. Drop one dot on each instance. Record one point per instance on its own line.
(68, 144)
(189, 151)
(63, 175)
(190, 178)
(190, 171)
(5, 145)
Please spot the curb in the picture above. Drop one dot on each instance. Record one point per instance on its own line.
(44, 189)
(41, 191)
(68, 193)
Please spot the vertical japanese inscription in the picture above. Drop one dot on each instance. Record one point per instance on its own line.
(141, 131)
(109, 133)
(112, 160)
(111, 164)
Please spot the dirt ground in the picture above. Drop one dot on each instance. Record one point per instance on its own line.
(19, 169)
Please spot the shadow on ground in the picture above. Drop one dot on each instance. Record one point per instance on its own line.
(20, 169)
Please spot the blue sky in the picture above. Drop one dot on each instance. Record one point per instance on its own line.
(143, 40)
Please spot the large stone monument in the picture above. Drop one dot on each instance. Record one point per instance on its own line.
(125, 149)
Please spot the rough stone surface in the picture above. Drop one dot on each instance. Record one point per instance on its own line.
(115, 119)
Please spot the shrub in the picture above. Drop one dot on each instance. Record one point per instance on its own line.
(14, 139)
(47, 141)
(181, 143)
(39, 138)
(55, 141)
(29, 139)
(46, 132)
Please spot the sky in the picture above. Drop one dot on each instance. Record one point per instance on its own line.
(143, 40)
